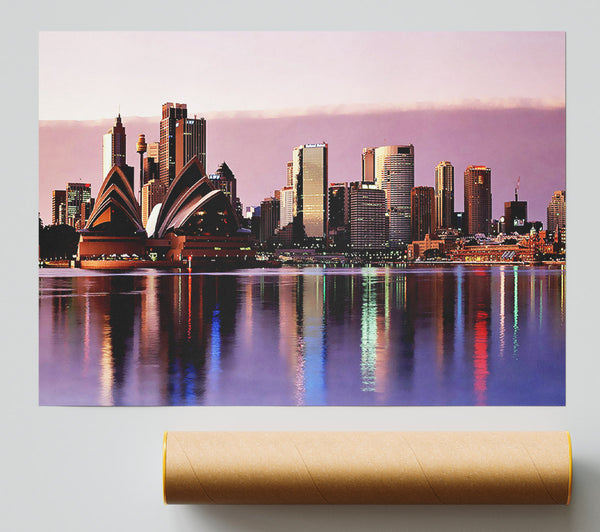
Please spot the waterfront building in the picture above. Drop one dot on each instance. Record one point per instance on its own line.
(171, 113)
(190, 141)
(113, 147)
(422, 209)
(153, 193)
(417, 249)
(368, 165)
(557, 212)
(395, 175)
(76, 194)
(286, 206)
(444, 194)
(478, 200)
(59, 199)
(269, 218)
(310, 189)
(368, 220)
(195, 224)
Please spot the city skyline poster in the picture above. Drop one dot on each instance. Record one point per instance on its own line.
(302, 218)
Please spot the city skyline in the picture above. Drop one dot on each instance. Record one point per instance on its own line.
(515, 125)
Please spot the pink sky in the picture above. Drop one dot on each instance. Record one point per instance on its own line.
(241, 71)
(471, 98)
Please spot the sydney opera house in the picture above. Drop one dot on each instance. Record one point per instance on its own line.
(194, 226)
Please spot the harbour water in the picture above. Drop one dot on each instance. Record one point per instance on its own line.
(426, 335)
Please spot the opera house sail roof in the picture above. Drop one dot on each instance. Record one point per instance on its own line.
(193, 207)
(116, 211)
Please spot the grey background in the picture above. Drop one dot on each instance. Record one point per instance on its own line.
(100, 468)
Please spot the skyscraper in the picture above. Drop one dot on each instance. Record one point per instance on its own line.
(339, 205)
(290, 173)
(422, 207)
(153, 192)
(76, 194)
(269, 218)
(478, 200)
(310, 189)
(151, 162)
(367, 217)
(225, 180)
(557, 211)
(515, 217)
(368, 165)
(395, 175)
(444, 194)
(166, 151)
(190, 140)
(113, 147)
(59, 198)
(286, 206)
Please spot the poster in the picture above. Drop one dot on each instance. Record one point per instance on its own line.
(399, 237)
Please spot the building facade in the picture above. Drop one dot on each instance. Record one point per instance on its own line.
(368, 219)
(395, 174)
(190, 141)
(59, 199)
(557, 211)
(478, 200)
(515, 217)
(368, 165)
(422, 208)
(444, 194)
(76, 194)
(269, 218)
(310, 189)
(166, 152)
(153, 193)
(113, 147)
(286, 206)
(224, 179)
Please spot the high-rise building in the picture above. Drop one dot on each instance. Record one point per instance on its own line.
(153, 193)
(151, 162)
(339, 205)
(86, 209)
(395, 175)
(368, 218)
(171, 113)
(225, 180)
(113, 147)
(59, 197)
(478, 200)
(557, 211)
(310, 189)
(515, 217)
(190, 140)
(368, 165)
(422, 208)
(286, 206)
(76, 194)
(290, 173)
(269, 218)
(444, 194)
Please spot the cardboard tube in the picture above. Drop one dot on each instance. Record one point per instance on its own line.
(367, 467)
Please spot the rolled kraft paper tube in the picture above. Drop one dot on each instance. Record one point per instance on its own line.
(367, 467)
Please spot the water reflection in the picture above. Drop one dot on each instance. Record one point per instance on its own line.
(305, 337)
